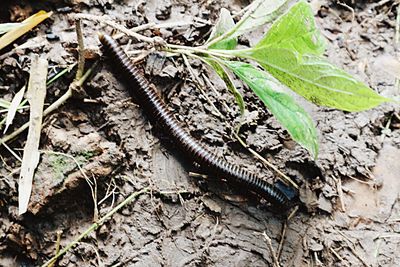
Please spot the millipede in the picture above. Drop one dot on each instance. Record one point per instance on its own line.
(157, 111)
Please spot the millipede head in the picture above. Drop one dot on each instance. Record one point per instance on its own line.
(106, 40)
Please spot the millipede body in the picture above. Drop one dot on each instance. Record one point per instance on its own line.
(157, 111)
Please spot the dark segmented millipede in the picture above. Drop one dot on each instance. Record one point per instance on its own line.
(158, 112)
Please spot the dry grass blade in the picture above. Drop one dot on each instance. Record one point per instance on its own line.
(12, 110)
(36, 94)
(25, 26)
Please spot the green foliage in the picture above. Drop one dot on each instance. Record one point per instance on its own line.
(224, 24)
(285, 109)
(258, 13)
(295, 31)
(317, 80)
(87, 154)
(292, 52)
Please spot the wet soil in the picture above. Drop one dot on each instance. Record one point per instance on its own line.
(349, 210)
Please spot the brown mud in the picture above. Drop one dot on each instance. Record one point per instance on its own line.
(350, 211)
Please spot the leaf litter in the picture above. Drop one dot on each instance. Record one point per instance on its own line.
(36, 94)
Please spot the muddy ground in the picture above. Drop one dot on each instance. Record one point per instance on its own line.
(349, 212)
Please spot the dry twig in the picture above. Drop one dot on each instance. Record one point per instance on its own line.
(96, 225)
(271, 250)
(81, 50)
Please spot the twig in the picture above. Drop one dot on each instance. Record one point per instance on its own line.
(283, 237)
(271, 250)
(338, 256)
(290, 216)
(348, 241)
(59, 233)
(198, 175)
(397, 38)
(52, 107)
(219, 53)
(266, 162)
(81, 50)
(397, 33)
(349, 8)
(340, 193)
(360, 181)
(61, 73)
(153, 25)
(115, 25)
(96, 225)
(358, 256)
(12, 152)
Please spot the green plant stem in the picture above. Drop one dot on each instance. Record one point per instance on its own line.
(96, 225)
(184, 49)
(61, 73)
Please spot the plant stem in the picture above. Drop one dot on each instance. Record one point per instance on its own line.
(96, 225)
(61, 73)
(81, 49)
(182, 49)
(115, 25)
(266, 162)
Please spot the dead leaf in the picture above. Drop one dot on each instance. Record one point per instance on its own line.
(35, 95)
(25, 26)
(12, 110)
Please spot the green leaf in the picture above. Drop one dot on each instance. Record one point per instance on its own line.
(4, 104)
(316, 79)
(295, 30)
(259, 13)
(224, 24)
(220, 70)
(292, 116)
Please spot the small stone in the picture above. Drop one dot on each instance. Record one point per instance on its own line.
(52, 37)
